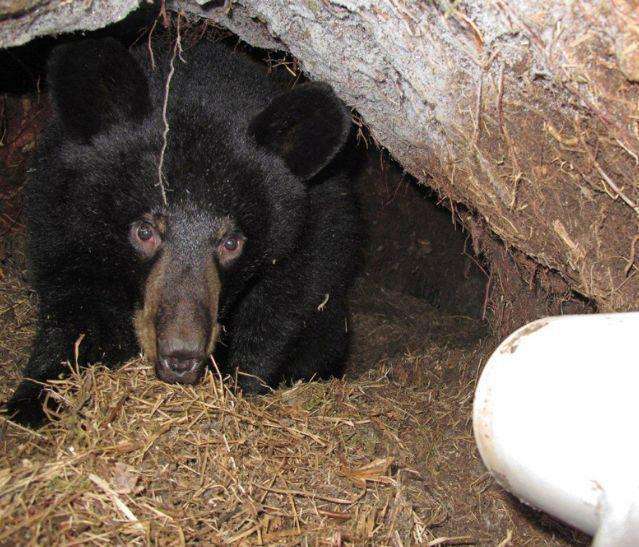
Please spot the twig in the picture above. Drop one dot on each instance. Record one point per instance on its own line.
(149, 47)
(616, 188)
(500, 99)
(311, 495)
(633, 252)
(324, 302)
(449, 540)
(630, 152)
(478, 108)
(76, 351)
(507, 540)
(21, 428)
(603, 174)
(486, 297)
(121, 506)
(177, 47)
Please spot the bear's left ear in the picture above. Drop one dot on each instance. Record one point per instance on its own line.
(95, 84)
(306, 126)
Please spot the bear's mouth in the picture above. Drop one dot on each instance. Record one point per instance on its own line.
(179, 369)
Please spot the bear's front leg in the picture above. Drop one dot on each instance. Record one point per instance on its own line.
(51, 350)
(260, 350)
(101, 334)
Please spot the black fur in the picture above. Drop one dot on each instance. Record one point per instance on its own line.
(93, 89)
(239, 147)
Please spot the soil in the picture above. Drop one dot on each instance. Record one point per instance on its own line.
(415, 247)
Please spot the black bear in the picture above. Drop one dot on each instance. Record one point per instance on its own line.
(249, 254)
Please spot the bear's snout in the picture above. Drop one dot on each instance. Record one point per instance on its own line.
(177, 327)
(183, 334)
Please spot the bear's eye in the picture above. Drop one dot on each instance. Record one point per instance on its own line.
(145, 238)
(231, 244)
(145, 231)
(230, 248)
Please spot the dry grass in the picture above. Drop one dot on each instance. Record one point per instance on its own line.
(135, 460)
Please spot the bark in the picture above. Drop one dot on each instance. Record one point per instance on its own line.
(524, 112)
(23, 20)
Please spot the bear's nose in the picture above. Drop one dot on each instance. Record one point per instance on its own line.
(180, 368)
(180, 364)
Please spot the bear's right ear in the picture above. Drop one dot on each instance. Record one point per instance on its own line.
(306, 126)
(96, 84)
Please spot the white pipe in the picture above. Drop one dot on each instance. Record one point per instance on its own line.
(556, 420)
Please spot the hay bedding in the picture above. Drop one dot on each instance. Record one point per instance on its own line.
(132, 461)
(135, 460)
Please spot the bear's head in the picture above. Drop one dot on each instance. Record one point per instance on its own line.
(235, 181)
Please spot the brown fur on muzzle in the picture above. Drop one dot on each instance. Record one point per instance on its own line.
(157, 296)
